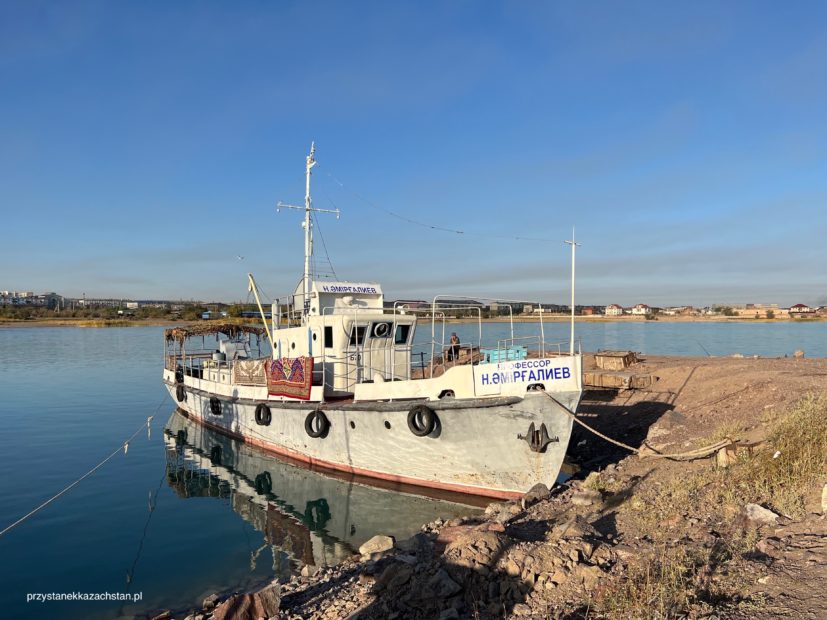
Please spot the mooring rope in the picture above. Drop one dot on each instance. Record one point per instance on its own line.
(123, 446)
(648, 452)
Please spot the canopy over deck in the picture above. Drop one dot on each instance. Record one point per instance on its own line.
(230, 330)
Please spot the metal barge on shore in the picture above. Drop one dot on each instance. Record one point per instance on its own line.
(345, 386)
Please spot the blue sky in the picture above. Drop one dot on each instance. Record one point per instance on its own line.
(143, 146)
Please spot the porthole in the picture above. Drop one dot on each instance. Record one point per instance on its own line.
(293, 345)
(387, 424)
(314, 336)
(352, 424)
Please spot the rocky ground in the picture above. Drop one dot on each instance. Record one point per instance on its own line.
(739, 536)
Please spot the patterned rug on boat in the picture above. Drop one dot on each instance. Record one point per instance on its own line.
(290, 377)
(250, 372)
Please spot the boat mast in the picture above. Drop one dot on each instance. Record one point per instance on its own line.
(308, 229)
(308, 237)
(573, 245)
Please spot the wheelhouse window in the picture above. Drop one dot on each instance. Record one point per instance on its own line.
(402, 333)
(328, 336)
(381, 330)
(357, 335)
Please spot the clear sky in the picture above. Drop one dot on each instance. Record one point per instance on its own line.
(143, 146)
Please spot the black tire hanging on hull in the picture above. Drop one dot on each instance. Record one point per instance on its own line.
(316, 424)
(422, 420)
(263, 415)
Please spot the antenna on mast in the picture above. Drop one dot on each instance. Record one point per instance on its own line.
(307, 225)
(573, 245)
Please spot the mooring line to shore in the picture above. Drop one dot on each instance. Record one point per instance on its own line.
(123, 446)
(649, 452)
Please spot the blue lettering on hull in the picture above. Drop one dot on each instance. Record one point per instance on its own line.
(521, 376)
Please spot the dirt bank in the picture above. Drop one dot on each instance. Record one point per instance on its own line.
(628, 537)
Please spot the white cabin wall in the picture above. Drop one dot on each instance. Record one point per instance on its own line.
(348, 365)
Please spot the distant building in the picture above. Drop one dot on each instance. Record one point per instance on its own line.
(407, 304)
(29, 299)
(253, 314)
(498, 308)
(640, 310)
(614, 310)
(458, 304)
(550, 309)
(801, 309)
(100, 303)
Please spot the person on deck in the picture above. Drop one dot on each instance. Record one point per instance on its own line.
(453, 352)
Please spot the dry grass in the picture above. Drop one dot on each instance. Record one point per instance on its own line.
(665, 585)
(674, 580)
(728, 430)
(781, 482)
(793, 461)
(106, 323)
(600, 481)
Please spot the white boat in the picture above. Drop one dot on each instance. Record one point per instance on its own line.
(347, 385)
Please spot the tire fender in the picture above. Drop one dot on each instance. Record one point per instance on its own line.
(422, 420)
(316, 424)
(263, 415)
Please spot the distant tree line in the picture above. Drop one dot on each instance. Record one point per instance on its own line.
(189, 312)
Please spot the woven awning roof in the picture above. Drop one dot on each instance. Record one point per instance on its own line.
(231, 330)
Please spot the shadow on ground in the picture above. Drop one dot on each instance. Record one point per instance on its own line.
(619, 416)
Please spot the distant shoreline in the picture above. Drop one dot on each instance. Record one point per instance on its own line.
(88, 323)
(556, 318)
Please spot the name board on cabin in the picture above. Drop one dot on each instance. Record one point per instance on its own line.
(354, 288)
(555, 372)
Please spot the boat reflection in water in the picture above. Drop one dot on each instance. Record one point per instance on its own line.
(306, 517)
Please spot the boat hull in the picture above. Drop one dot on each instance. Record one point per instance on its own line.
(478, 447)
(316, 518)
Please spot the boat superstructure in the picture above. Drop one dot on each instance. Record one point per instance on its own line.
(337, 379)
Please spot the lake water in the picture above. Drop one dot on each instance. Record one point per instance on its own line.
(223, 516)
(187, 512)
(660, 337)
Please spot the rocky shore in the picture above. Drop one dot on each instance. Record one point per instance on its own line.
(739, 536)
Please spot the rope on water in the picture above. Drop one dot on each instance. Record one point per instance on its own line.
(123, 446)
(647, 451)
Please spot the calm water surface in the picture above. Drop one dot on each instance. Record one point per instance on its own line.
(184, 513)
(663, 338)
(187, 512)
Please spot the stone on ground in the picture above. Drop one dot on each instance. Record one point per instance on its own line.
(377, 544)
(586, 497)
(210, 602)
(269, 599)
(442, 586)
(759, 514)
